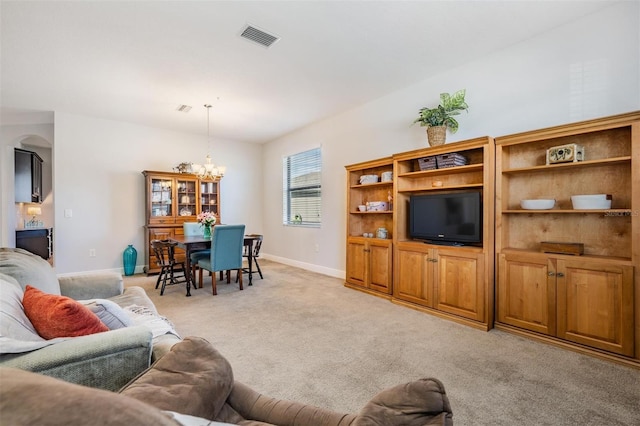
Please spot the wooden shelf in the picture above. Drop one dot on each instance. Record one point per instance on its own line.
(580, 164)
(444, 171)
(440, 188)
(370, 185)
(613, 259)
(607, 212)
(378, 212)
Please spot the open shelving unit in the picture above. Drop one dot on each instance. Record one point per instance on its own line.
(591, 302)
(369, 259)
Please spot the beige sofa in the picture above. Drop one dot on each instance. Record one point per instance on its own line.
(105, 360)
(193, 385)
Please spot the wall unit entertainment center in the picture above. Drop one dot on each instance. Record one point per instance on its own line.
(588, 302)
(450, 281)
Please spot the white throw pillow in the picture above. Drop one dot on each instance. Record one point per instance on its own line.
(110, 313)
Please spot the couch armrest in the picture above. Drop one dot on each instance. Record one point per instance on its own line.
(421, 402)
(91, 286)
(106, 360)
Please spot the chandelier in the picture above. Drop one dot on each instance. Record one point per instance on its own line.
(209, 170)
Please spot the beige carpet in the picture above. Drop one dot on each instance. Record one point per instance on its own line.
(304, 336)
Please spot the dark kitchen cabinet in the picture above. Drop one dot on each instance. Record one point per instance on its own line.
(36, 241)
(28, 177)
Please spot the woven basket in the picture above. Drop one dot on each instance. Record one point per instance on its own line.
(436, 135)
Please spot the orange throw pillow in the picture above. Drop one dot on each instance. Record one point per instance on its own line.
(59, 316)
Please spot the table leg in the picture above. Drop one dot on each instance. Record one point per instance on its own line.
(250, 261)
(187, 273)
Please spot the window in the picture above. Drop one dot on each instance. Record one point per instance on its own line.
(301, 189)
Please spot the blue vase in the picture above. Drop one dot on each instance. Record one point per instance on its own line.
(129, 258)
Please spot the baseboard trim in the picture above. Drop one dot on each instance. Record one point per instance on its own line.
(575, 347)
(336, 273)
(366, 290)
(440, 314)
(139, 270)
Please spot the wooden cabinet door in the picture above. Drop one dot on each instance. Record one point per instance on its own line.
(527, 292)
(595, 305)
(380, 266)
(412, 280)
(356, 262)
(459, 284)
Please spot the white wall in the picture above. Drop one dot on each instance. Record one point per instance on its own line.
(587, 69)
(97, 174)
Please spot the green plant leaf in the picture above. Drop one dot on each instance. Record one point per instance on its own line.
(442, 114)
(458, 98)
(452, 124)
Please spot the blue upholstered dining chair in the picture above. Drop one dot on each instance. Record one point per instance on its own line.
(194, 229)
(227, 242)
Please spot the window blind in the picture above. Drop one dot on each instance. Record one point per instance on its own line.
(301, 188)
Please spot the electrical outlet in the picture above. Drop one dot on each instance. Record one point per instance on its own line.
(92, 252)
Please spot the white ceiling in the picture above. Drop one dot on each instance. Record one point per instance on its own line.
(136, 61)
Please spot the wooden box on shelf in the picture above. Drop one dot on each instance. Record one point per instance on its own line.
(589, 303)
(562, 248)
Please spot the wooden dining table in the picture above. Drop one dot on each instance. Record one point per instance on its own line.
(195, 243)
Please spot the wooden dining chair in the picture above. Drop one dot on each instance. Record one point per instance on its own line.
(227, 242)
(257, 245)
(172, 272)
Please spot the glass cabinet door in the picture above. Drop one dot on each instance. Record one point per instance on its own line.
(187, 197)
(161, 198)
(209, 197)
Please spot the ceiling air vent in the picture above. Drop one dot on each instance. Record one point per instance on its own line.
(183, 108)
(258, 36)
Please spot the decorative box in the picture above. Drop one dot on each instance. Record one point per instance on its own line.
(575, 249)
(427, 163)
(570, 153)
(377, 206)
(450, 160)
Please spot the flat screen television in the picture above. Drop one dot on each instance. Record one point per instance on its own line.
(446, 218)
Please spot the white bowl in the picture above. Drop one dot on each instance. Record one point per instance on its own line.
(591, 202)
(540, 204)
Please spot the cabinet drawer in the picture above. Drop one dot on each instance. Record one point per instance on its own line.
(162, 220)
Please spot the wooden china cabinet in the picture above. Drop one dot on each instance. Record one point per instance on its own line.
(172, 199)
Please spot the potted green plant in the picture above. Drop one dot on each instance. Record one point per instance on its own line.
(438, 119)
